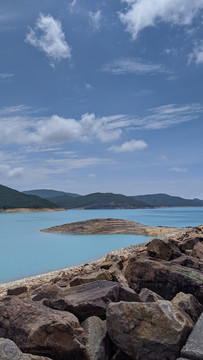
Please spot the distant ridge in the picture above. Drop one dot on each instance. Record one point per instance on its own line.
(48, 194)
(164, 200)
(13, 199)
(100, 201)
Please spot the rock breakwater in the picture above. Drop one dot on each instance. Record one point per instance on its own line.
(140, 303)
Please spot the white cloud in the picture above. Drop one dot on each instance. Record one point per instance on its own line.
(19, 126)
(197, 54)
(88, 86)
(95, 19)
(5, 76)
(178, 169)
(48, 37)
(134, 66)
(8, 172)
(144, 13)
(91, 175)
(129, 146)
(66, 164)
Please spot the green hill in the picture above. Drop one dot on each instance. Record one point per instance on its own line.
(13, 199)
(164, 200)
(99, 201)
(48, 194)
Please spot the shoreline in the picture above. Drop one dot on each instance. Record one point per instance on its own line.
(29, 210)
(46, 277)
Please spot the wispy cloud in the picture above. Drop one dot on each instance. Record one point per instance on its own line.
(18, 125)
(5, 76)
(11, 172)
(134, 66)
(178, 169)
(197, 53)
(129, 146)
(144, 13)
(66, 164)
(95, 19)
(48, 36)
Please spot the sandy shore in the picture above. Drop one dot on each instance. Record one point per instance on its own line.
(26, 210)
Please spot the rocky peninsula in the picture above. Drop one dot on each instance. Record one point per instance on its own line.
(143, 302)
(113, 226)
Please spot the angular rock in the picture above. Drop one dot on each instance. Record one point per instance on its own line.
(193, 348)
(45, 292)
(165, 280)
(39, 330)
(118, 275)
(17, 290)
(187, 261)
(197, 250)
(189, 241)
(147, 295)
(94, 276)
(159, 249)
(98, 343)
(10, 351)
(90, 299)
(147, 331)
(189, 304)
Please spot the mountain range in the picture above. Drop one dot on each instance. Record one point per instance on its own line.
(111, 201)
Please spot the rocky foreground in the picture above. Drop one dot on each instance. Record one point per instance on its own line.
(142, 303)
(113, 226)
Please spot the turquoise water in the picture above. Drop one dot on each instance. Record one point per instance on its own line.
(25, 251)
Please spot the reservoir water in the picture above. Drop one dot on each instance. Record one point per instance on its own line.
(25, 251)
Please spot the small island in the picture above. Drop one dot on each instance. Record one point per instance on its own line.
(113, 226)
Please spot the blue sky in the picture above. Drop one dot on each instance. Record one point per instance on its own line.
(102, 96)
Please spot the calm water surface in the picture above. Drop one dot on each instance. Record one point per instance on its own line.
(26, 251)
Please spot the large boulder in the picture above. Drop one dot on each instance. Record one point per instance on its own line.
(148, 331)
(39, 330)
(98, 344)
(45, 292)
(10, 351)
(163, 278)
(190, 240)
(91, 299)
(189, 304)
(147, 295)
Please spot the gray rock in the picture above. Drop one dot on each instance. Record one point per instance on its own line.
(10, 351)
(147, 295)
(193, 348)
(98, 343)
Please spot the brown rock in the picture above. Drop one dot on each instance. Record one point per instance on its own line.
(189, 241)
(44, 292)
(163, 278)
(94, 276)
(187, 261)
(197, 250)
(159, 249)
(41, 331)
(17, 290)
(148, 331)
(98, 343)
(90, 299)
(189, 304)
(147, 295)
(10, 351)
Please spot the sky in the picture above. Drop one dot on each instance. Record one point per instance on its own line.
(102, 95)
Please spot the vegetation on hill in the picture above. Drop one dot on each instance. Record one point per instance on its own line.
(48, 194)
(13, 199)
(99, 201)
(164, 200)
